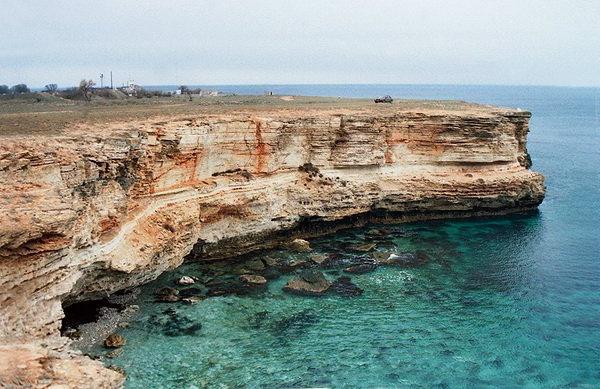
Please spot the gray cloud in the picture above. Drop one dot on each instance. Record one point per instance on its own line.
(308, 41)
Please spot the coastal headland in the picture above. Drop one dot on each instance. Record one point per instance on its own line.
(99, 197)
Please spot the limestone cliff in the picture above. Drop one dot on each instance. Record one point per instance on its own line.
(105, 207)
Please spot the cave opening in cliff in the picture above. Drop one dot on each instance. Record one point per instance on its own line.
(84, 312)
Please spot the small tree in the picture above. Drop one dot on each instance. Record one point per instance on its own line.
(4, 90)
(85, 88)
(51, 88)
(20, 88)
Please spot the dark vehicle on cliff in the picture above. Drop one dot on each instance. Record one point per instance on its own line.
(384, 99)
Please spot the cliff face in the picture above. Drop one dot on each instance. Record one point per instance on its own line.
(104, 208)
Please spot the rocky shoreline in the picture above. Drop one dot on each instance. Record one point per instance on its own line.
(107, 207)
(310, 273)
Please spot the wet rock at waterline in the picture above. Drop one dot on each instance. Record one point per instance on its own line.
(192, 300)
(293, 264)
(253, 279)
(114, 341)
(309, 283)
(319, 259)
(185, 280)
(377, 233)
(365, 247)
(270, 261)
(402, 259)
(299, 245)
(361, 268)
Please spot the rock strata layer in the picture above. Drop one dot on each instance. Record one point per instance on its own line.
(100, 209)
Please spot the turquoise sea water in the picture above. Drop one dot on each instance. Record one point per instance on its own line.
(509, 302)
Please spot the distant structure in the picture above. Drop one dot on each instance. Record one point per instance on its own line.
(130, 89)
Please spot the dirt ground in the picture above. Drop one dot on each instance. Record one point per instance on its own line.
(50, 115)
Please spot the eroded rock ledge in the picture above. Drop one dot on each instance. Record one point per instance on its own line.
(103, 208)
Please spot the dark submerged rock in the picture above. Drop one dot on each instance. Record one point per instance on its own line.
(174, 324)
(365, 247)
(190, 292)
(167, 295)
(313, 276)
(375, 233)
(248, 267)
(228, 286)
(345, 287)
(295, 324)
(271, 274)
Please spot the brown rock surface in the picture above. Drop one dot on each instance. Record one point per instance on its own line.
(102, 206)
(299, 245)
(309, 283)
(253, 279)
(114, 341)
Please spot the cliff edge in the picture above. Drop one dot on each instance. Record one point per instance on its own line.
(111, 202)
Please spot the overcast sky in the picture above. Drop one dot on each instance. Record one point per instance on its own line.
(549, 42)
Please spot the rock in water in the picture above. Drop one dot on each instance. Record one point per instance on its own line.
(114, 341)
(192, 300)
(382, 257)
(319, 259)
(345, 287)
(364, 247)
(361, 268)
(114, 353)
(174, 324)
(377, 233)
(271, 262)
(309, 283)
(402, 259)
(422, 257)
(256, 265)
(185, 280)
(300, 245)
(190, 292)
(253, 279)
(167, 295)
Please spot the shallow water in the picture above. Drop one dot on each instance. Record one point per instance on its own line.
(507, 301)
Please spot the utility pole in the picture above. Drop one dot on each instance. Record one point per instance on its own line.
(101, 80)
(111, 85)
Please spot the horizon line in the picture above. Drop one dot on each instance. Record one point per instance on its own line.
(354, 83)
